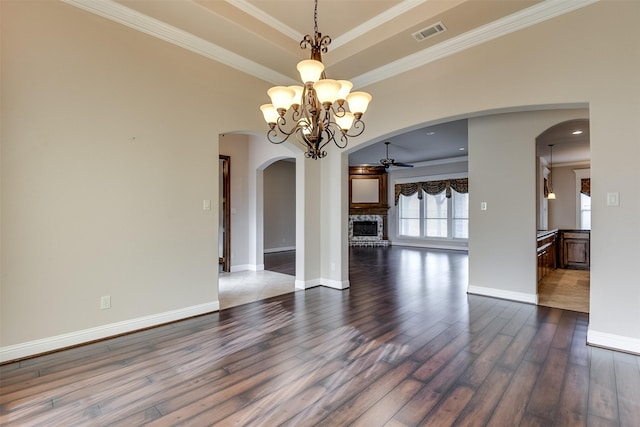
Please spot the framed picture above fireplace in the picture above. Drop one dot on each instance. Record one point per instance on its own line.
(367, 187)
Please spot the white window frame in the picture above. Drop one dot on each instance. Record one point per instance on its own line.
(422, 236)
(580, 175)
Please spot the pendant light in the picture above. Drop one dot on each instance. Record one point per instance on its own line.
(550, 195)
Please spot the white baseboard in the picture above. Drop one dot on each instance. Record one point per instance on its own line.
(285, 249)
(613, 342)
(334, 284)
(431, 245)
(245, 267)
(306, 284)
(32, 348)
(501, 293)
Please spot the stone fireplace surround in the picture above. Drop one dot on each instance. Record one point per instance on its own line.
(377, 240)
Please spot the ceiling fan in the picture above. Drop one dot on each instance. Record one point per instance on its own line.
(392, 162)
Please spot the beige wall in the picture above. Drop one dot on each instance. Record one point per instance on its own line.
(280, 206)
(237, 147)
(109, 147)
(560, 62)
(505, 143)
(562, 211)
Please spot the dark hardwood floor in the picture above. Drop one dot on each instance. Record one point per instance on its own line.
(404, 346)
(281, 262)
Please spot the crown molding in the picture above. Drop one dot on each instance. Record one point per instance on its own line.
(376, 21)
(133, 19)
(267, 19)
(509, 24)
(540, 12)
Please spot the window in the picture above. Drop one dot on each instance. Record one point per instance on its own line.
(460, 215)
(585, 212)
(434, 216)
(409, 216)
(583, 198)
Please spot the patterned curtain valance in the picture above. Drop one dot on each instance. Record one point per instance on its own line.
(585, 186)
(432, 187)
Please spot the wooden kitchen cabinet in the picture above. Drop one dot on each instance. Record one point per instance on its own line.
(546, 252)
(574, 249)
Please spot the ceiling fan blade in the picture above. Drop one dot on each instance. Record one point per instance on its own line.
(391, 162)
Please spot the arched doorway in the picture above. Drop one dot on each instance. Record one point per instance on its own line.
(564, 220)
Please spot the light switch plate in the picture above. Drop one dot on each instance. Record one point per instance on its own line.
(105, 302)
(206, 205)
(613, 199)
(483, 206)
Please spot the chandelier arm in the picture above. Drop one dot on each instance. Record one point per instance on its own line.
(280, 125)
(357, 127)
(339, 110)
(274, 137)
(312, 122)
(343, 141)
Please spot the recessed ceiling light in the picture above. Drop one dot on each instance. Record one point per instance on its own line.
(577, 132)
(431, 133)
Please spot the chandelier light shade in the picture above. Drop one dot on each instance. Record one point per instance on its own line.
(319, 112)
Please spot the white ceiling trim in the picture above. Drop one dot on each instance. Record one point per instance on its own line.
(123, 15)
(457, 175)
(517, 21)
(376, 21)
(153, 27)
(267, 19)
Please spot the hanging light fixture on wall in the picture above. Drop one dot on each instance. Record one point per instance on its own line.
(550, 194)
(319, 112)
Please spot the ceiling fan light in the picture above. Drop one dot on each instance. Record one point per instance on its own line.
(310, 70)
(345, 121)
(327, 90)
(270, 113)
(345, 88)
(281, 97)
(358, 102)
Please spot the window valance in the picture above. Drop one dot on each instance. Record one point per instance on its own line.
(585, 186)
(460, 185)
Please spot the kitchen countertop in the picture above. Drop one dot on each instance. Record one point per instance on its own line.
(541, 234)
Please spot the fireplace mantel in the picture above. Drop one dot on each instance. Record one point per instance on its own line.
(368, 201)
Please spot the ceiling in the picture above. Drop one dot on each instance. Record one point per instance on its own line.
(371, 41)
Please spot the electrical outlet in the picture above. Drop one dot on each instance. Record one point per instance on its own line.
(105, 302)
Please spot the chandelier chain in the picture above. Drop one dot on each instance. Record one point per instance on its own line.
(315, 17)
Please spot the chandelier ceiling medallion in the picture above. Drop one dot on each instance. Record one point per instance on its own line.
(321, 111)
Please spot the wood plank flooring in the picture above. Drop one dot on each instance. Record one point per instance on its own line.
(567, 289)
(404, 346)
(281, 262)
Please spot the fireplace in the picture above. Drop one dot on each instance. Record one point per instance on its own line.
(366, 230)
(368, 206)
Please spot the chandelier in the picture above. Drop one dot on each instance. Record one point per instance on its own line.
(321, 111)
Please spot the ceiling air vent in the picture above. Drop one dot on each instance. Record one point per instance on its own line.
(429, 31)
